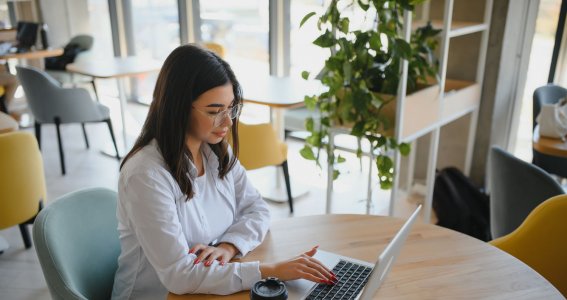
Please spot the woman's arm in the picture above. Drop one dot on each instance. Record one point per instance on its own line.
(149, 202)
(252, 218)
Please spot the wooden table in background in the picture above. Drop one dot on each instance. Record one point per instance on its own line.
(279, 94)
(549, 146)
(435, 263)
(33, 54)
(118, 68)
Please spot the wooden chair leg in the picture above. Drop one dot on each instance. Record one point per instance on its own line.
(85, 135)
(61, 155)
(288, 186)
(109, 123)
(38, 134)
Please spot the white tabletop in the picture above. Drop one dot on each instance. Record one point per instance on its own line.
(113, 67)
(281, 92)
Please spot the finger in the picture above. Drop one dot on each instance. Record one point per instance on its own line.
(312, 251)
(196, 248)
(317, 265)
(322, 265)
(311, 277)
(224, 259)
(212, 257)
(314, 272)
(203, 255)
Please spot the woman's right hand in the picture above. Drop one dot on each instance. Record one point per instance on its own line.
(303, 266)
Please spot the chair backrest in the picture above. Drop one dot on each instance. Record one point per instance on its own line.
(76, 240)
(48, 100)
(516, 188)
(547, 94)
(22, 181)
(84, 41)
(259, 146)
(217, 48)
(541, 242)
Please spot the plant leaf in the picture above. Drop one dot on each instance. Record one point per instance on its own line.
(325, 40)
(404, 149)
(309, 124)
(310, 102)
(305, 75)
(307, 16)
(307, 153)
(403, 48)
(344, 25)
(336, 174)
(364, 6)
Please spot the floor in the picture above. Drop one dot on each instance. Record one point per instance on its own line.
(20, 272)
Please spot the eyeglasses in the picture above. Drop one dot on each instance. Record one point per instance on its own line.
(219, 116)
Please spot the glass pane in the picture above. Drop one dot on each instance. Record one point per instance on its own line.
(4, 14)
(538, 71)
(242, 27)
(156, 27)
(99, 20)
(156, 34)
(304, 55)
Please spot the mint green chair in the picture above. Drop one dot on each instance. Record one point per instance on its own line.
(76, 240)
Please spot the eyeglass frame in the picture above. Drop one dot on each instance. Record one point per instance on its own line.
(222, 114)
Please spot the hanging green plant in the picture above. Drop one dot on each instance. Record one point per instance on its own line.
(362, 76)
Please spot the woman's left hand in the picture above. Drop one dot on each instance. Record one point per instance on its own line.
(222, 252)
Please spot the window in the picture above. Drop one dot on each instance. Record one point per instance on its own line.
(156, 34)
(242, 28)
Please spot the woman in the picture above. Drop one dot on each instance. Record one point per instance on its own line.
(186, 207)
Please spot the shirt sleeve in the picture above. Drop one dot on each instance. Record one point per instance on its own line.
(252, 219)
(149, 201)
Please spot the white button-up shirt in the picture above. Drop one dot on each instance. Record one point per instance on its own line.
(158, 226)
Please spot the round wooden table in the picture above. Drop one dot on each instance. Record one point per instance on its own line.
(435, 263)
(549, 146)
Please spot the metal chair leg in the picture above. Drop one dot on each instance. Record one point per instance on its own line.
(85, 135)
(288, 186)
(109, 123)
(95, 91)
(38, 134)
(61, 155)
(25, 235)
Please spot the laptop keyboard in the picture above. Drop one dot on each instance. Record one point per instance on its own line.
(351, 279)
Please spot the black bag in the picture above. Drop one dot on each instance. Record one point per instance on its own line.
(460, 205)
(70, 52)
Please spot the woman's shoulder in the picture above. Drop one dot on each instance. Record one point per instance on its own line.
(148, 160)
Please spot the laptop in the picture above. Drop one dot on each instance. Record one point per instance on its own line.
(356, 279)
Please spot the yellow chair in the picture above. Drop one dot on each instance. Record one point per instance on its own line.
(259, 147)
(3, 105)
(541, 241)
(218, 49)
(22, 181)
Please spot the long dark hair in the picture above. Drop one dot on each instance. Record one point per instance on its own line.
(188, 72)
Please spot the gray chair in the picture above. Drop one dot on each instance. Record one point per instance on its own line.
(85, 43)
(516, 188)
(548, 94)
(53, 104)
(77, 243)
